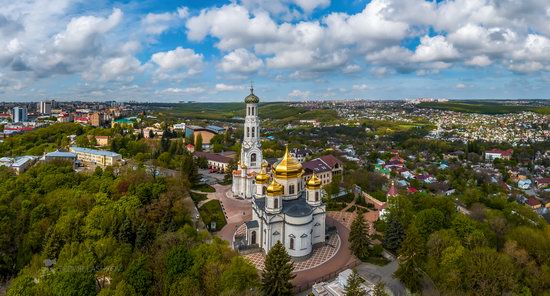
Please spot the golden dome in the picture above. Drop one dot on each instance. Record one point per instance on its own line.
(288, 167)
(274, 188)
(243, 166)
(314, 182)
(262, 177)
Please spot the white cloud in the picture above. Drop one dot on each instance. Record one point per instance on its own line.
(178, 59)
(116, 68)
(187, 90)
(227, 87)
(479, 61)
(157, 23)
(360, 87)
(461, 86)
(349, 69)
(299, 93)
(434, 49)
(82, 33)
(240, 61)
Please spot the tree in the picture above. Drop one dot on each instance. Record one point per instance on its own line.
(410, 258)
(239, 276)
(359, 237)
(277, 272)
(380, 289)
(178, 262)
(428, 221)
(139, 277)
(198, 143)
(353, 285)
(394, 235)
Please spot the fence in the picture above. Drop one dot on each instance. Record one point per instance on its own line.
(325, 278)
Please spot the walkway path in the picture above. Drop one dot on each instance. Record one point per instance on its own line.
(374, 274)
(236, 210)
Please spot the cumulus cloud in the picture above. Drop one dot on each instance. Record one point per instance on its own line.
(158, 23)
(240, 61)
(179, 60)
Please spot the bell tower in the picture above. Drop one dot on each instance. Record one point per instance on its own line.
(251, 151)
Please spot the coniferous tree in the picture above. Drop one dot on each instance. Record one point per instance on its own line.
(353, 285)
(410, 257)
(277, 272)
(198, 143)
(379, 290)
(359, 237)
(394, 235)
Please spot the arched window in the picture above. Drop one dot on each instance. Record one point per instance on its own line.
(316, 196)
(253, 238)
(264, 189)
(291, 243)
(253, 158)
(247, 132)
(276, 203)
(291, 189)
(253, 132)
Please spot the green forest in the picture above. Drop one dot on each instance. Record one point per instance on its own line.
(112, 232)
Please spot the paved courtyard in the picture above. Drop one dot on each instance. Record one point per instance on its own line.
(320, 255)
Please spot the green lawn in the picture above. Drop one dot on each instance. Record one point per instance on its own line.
(203, 188)
(198, 197)
(212, 211)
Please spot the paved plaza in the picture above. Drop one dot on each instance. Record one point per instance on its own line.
(319, 256)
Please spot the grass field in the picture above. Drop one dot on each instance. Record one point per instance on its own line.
(483, 107)
(232, 111)
(212, 211)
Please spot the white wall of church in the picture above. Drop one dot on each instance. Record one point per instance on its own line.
(298, 239)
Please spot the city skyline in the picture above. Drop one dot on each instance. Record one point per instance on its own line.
(293, 50)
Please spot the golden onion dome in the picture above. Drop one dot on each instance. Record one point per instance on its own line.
(274, 188)
(262, 177)
(314, 182)
(288, 167)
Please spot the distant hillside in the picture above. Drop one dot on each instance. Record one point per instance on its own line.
(230, 111)
(483, 107)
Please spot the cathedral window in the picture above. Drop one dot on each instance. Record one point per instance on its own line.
(303, 241)
(316, 196)
(253, 156)
(276, 203)
(291, 243)
(253, 239)
(247, 132)
(253, 129)
(291, 189)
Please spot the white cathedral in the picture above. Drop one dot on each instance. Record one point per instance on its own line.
(285, 206)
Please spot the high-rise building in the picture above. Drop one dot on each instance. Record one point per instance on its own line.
(96, 119)
(45, 107)
(19, 114)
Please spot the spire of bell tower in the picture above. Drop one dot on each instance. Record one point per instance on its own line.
(251, 87)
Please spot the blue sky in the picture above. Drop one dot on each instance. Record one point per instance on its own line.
(167, 51)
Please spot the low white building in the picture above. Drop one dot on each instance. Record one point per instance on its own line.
(98, 157)
(337, 287)
(18, 164)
